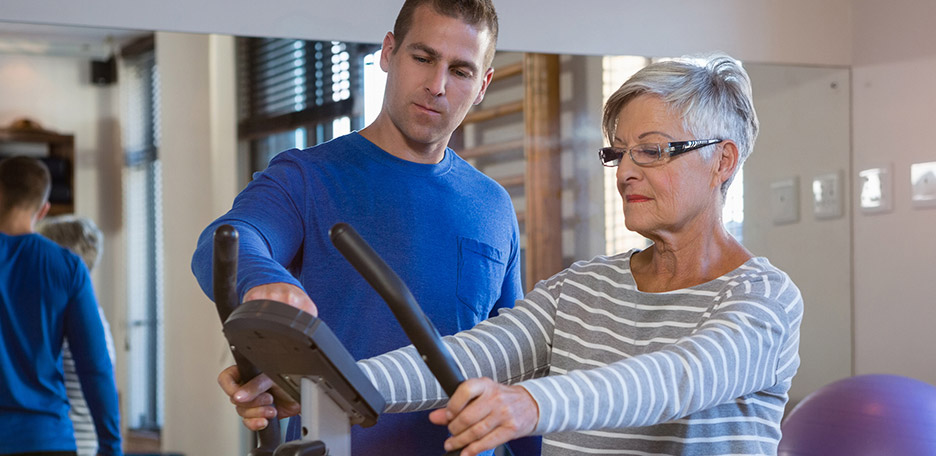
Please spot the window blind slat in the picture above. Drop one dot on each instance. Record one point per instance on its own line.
(290, 90)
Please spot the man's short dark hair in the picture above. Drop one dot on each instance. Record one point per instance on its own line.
(24, 183)
(476, 13)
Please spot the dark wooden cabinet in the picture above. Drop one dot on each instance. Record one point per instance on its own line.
(56, 150)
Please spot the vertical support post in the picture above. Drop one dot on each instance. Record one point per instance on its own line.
(541, 147)
(324, 420)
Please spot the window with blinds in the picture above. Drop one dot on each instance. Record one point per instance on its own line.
(616, 70)
(143, 222)
(295, 93)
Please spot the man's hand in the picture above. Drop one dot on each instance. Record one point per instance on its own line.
(483, 414)
(258, 400)
(285, 293)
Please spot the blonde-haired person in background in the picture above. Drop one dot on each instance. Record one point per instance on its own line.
(82, 236)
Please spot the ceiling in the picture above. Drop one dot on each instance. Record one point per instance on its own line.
(64, 41)
(807, 32)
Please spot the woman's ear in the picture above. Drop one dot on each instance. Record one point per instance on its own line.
(728, 155)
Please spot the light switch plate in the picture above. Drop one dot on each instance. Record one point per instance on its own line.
(827, 196)
(784, 201)
(877, 190)
(923, 184)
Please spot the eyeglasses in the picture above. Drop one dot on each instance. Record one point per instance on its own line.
(646, 154)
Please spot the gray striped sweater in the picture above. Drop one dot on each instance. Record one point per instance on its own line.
(698, 371)
(86, 439)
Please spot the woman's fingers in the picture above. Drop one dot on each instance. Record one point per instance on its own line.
(490, 441)
(483, 414)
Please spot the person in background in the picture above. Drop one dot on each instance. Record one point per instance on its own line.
(45, 297)
(448, 230)
(687, 347)
(82, 236)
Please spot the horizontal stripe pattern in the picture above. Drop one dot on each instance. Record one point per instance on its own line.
(80, 414)
(705, 370)
(85, 434)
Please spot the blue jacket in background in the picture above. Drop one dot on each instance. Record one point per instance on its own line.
(45, 296)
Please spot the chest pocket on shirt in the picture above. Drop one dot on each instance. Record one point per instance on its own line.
(481, 270)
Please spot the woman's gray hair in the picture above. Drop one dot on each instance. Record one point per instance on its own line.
(78, 234)
(712, 94)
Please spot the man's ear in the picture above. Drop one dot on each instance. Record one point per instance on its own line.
(389, 43)
(484, 85)
(42, 212)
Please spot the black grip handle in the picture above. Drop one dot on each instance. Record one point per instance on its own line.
(420, 330)
(388, 285)
(224, 284)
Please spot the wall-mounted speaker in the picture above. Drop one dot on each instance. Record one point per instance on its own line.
(104, 72)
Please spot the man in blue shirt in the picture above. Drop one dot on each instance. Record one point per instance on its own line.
(449, 231)
(45, 296)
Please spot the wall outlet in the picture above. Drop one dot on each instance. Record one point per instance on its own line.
(877, 190)
(923, 184)
(784, 201)
(827, 196)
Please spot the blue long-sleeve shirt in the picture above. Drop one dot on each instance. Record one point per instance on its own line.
(45, 296)
(448, 230)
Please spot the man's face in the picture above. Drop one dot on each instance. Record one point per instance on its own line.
(434, 75)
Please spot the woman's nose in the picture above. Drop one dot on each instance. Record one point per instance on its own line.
(627, 169)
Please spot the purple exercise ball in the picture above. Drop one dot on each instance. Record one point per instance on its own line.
(879, 415)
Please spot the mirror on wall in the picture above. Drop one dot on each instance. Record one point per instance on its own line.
(48, 74)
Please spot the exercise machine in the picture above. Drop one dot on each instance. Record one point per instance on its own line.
(302, 355)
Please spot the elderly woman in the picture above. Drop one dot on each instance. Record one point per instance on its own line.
(82, 236)
(687, 347)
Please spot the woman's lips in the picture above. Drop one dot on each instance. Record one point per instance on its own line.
(636, 198)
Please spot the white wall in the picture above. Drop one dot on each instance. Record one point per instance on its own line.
(893, 122)
(789, 31)
(198, 153)
(805, 132)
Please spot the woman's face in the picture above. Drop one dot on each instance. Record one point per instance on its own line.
(669, 196)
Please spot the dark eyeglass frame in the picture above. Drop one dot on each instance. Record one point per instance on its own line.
(611, 156)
